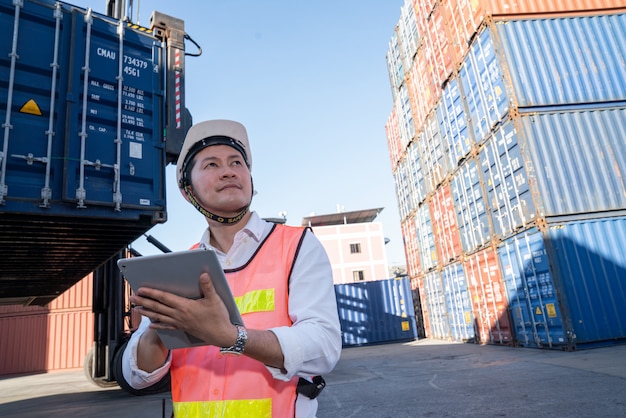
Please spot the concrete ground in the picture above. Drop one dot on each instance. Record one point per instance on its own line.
(417, 379)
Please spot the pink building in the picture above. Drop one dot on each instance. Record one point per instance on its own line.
(355, 244)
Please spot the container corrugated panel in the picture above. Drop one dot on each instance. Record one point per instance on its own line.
(426, 238)
(394, 64)
(469, 202)
(533, 300)
(431, 154)
(590, 268)
(421, 313)
(438, 50)
(445, 226)
(405, 116)
(516, 7)
(489, 300)
(458, 303)
(89, 179)
(393, 139)
(461, 18)
(483, 86)
(418, 188)
(577, 159)
(419, 93)
(411, 247)
(408, 34)
(436, 302)
(401, 179)
(582, 59)
(456, 138)
(376, 312)
(506, 181)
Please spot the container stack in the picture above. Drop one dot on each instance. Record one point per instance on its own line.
(507, 141)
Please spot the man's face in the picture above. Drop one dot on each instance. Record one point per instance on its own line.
(221, 180)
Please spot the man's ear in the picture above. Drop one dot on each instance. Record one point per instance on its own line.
(184, 193)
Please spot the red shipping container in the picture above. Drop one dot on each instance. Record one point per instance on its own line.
(445, 227)
(411, 249)
(461, 19)
(438, 50)
(488, 294)
(393, 139)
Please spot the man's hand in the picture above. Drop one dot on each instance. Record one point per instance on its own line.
(206, 318)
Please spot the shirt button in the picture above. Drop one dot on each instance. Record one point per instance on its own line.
(228, 263)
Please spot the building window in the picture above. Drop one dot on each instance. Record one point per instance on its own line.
(355, 248)
(358, 275)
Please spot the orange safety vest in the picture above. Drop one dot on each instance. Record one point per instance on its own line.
(206, 383)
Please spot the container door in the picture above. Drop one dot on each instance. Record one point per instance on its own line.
(114, 150)
(458, 303)
(532, 296)
(436, 306)
(488, 295)
(31, 91)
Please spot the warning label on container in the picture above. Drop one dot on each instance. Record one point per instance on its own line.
(405, 325)
(551, 309)
(31, 107)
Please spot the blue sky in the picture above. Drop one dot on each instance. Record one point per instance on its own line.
(309, 81)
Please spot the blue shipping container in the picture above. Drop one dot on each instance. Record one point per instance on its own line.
(376, 312)
(82, 146)
(550, 164)
(565, 285)
(458, 303)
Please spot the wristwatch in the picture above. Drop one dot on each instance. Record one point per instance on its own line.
(237, 348)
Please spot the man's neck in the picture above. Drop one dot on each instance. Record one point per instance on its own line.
(222, 235)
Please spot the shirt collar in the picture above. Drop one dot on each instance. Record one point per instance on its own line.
(254, 229)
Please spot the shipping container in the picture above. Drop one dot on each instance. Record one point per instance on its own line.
(394, 65)
(83, 150)
(469, 201)
(455, 136)
(411, 247)
(434, 165)
(376, 312)
(392, 130)
(589, 264)
(533, 301)
(435, 300)
(555, 164)
(426, 238)
(408, 35)
(445, 225)
(44, 338)
(489, 301)
(437, 47)
(458, 303)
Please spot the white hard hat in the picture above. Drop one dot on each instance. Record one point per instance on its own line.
(211, 132)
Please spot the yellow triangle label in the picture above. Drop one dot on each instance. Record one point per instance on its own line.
(538, 311)
(31, 108)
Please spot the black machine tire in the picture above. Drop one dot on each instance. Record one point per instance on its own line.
(88, 369)
(161, 386)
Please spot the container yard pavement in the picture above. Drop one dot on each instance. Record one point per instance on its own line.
(417, 379)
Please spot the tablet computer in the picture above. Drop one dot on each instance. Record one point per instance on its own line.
(179, 273)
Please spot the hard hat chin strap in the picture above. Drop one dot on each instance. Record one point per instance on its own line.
(211, 215)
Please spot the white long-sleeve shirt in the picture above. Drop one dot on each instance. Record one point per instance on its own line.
(311, 345)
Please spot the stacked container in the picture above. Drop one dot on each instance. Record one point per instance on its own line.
(511, 189)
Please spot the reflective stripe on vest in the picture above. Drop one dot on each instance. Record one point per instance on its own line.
(243, 408)
(206, 383)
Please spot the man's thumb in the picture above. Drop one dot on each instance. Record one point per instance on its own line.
(206, 285)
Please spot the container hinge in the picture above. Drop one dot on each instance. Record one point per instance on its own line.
(4, 188)
(81, 193)
(46, 191)
(117, 194)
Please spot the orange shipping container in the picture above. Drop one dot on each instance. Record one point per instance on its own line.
(488, 294)
(445, 227)
(52, 337)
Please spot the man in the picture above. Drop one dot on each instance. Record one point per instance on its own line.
(281, 273)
